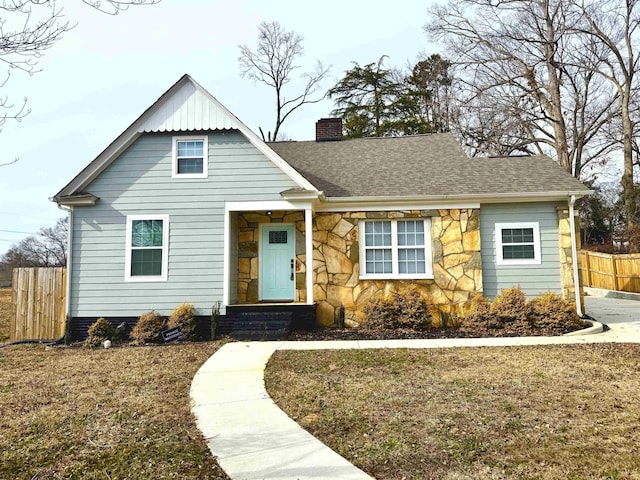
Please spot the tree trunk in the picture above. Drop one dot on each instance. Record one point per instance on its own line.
(559, 126)
(627, 150)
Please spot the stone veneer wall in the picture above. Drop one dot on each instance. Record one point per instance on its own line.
(455, 243)
(566, 255)
(457, 266)
(248, 248)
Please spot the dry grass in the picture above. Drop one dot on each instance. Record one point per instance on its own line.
(101, 414)
(559, 412)
(5, 313)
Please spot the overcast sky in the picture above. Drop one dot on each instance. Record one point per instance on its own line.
(105, 72)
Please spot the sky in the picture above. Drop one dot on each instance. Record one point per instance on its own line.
(107, 70)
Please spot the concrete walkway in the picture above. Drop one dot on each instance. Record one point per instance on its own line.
(254, 440)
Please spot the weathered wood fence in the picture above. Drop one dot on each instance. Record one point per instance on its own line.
(38, 300)
(612, 272)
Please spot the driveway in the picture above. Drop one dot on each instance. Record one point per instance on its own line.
(622, 316)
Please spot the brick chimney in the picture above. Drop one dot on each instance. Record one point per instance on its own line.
(329, 130)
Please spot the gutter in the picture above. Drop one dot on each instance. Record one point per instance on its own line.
(467, 197)
(574, 254)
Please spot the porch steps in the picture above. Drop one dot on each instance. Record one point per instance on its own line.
(255, 325)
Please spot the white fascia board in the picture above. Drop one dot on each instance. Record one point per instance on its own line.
(302, 195)
(532, 197)
(267, 205)
(352, 204)
(390, 204)
(86, 200)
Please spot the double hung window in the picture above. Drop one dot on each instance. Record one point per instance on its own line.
(190, 157)
(395, 249)
(147, 247)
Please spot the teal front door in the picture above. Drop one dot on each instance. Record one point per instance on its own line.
(277, 262)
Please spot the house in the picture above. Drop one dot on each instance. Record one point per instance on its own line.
(188, 204)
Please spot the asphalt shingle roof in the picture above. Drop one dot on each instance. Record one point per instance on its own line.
(420, 165)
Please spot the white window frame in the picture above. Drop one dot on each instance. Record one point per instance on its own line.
(537, 258)
(205, 156)
(428, 258)
(165, 249)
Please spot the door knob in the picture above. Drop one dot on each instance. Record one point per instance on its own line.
(292, 269)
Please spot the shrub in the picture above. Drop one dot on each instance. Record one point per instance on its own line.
(148, 329)
(479, 313)
(99, 331)
(551, 312)
(408, 309)
(183, 317)
(510, 307)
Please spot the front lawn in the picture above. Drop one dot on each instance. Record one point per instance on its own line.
(547, 412)
(102, 414)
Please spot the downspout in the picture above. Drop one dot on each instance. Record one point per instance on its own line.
(69, 211)
(574, 254)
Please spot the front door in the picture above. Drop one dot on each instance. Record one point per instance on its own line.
(277, 262)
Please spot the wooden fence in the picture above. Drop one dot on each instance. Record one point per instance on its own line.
(612, 272)
(38, 301)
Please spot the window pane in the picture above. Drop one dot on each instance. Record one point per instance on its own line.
(411, 232)
(190, 165)
(510, 252)
(279, 236)
(378, 261)
(191, 148)
(146, 233)
(377, 234)
(146, 262)
(517, 235)
(411, 260)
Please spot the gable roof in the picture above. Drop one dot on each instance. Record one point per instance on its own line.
(186, 106)
(421, 166)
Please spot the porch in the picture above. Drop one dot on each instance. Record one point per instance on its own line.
(267, 279)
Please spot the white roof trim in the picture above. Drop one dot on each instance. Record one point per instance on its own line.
(169, 113)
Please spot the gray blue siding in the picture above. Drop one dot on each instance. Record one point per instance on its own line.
(140, 182)
(533, 279)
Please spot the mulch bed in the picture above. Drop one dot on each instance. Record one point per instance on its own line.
(434, 333)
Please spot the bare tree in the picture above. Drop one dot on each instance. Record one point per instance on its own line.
(48, 248)
(513, 67)
(28, 28)
(273, 63)
(614, 26)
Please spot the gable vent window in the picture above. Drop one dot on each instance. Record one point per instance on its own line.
(190, 157)
(518, 243)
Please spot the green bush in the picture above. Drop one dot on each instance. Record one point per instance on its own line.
(407, 309)
(149, 328)
(99, 331)
(183, 317)
(552, 312)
